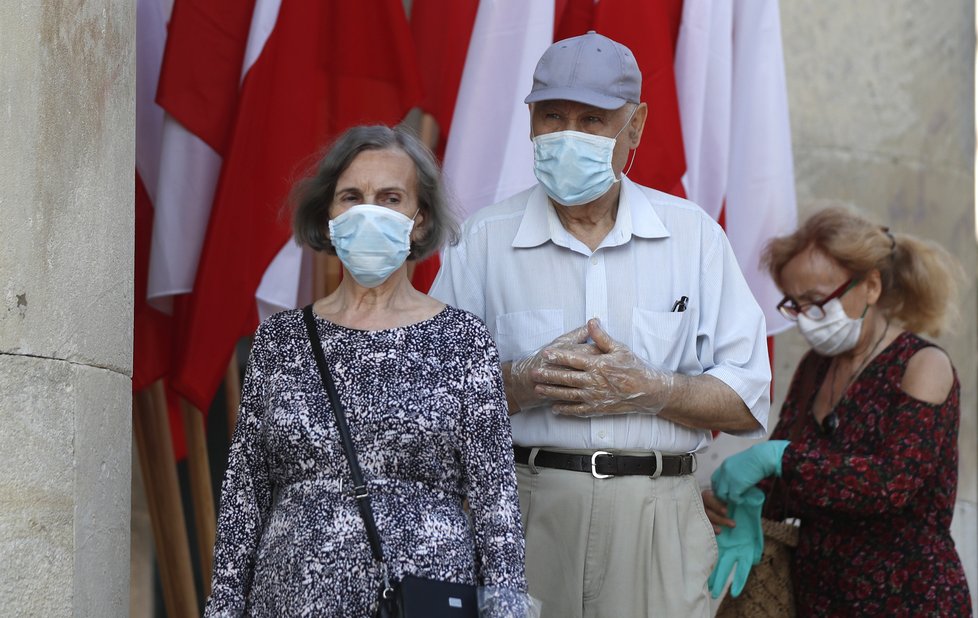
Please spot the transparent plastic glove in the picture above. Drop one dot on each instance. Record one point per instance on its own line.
(614, 381)
(505, 602)
(520, 383)
(740, 472)
(740, 546)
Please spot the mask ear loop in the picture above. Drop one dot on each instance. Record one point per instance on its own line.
(634, 151)
(414, 228)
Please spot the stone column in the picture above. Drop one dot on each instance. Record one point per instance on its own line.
(66, 251)
(882, 100)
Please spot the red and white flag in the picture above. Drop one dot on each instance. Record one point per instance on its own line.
(151, 333)
(734, 109)
(152, 329)
(198, 89)
(489, 155)
(649, 29)
(313, 70)
(442, 30)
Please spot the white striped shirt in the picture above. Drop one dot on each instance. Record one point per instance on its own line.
(530, 280)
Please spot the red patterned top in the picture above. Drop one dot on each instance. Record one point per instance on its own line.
(875, 497)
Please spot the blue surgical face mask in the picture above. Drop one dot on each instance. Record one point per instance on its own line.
(371, 241)
(573, 167)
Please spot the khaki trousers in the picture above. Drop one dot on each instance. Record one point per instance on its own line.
(622, 547)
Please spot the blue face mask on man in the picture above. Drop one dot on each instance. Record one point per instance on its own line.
(372, 242)
(573, 167)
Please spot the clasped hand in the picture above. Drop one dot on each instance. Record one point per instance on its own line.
(603, 377)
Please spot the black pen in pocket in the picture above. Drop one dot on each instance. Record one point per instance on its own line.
(680, 305)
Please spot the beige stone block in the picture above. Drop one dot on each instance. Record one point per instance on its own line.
(64, 496)
(893, 77)
(66, 180)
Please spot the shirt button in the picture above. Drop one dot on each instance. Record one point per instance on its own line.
(602, 434)
(594, 261)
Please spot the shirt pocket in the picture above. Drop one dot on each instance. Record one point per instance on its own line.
(518, 334)
(660, 337)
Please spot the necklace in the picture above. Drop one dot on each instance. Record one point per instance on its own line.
(858, 370)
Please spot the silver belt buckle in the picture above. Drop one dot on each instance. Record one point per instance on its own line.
(658, 465)
(594, 468)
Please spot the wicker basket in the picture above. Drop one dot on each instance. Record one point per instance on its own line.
(768, 592)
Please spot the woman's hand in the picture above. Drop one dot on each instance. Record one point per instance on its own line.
(739, 472)
(716, 511)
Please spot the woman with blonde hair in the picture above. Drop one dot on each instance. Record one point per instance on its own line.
(867, 442)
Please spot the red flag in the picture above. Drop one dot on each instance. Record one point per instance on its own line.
(198, 88)
(734, 108)
(202, 65)
(572, 18)
(441, 30)
(151, 328)
(324, 67)
(650, 30)
(425, 272)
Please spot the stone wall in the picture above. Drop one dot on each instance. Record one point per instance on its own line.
(66, 242)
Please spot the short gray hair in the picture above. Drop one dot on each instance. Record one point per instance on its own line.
(313, 195)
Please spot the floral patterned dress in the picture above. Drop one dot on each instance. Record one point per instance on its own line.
(428, 418)
(875, 497)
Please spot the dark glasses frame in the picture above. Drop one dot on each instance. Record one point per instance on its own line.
(790, 309)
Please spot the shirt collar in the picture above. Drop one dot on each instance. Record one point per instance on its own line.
(636, 217)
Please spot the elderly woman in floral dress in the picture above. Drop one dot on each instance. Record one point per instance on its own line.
(423, 394)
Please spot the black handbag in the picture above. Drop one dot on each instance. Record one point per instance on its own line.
(412, 597)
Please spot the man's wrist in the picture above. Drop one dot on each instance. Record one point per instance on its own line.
(520, 395)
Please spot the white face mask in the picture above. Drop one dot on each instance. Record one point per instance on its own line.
(371, 241)
(834, 334)
(575, 168)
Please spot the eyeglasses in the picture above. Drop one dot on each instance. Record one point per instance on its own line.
(815, 311)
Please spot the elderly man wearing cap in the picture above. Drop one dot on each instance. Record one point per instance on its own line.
(627, 333)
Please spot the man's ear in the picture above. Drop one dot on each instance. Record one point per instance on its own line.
(637, 125)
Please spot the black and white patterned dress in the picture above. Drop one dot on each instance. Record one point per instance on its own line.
(428, 416)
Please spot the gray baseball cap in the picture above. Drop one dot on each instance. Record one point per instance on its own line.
(590, 69)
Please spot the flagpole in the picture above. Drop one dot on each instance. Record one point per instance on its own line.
(320, 275)
(326, 271)
(428, 132)
(202, 494)
(154, 445)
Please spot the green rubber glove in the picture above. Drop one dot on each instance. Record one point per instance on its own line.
(742, 471)
(741, 546)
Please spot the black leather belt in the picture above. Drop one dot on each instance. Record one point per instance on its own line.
(602, 464)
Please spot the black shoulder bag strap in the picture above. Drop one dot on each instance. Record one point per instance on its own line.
(359, 486)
